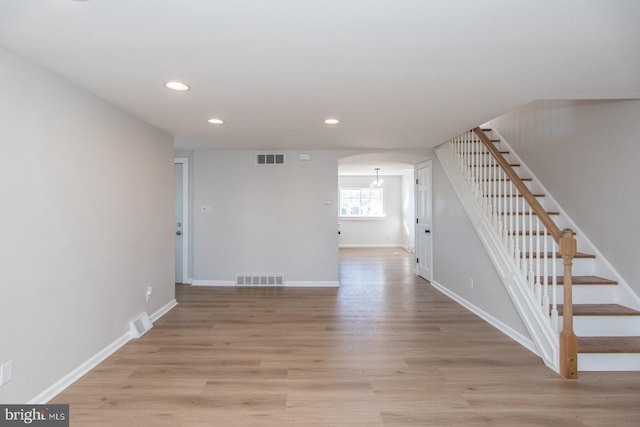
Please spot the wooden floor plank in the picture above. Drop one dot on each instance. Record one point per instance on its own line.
(385, 349)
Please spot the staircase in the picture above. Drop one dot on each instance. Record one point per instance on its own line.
(519, 225)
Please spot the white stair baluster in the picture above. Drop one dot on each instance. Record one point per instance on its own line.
(530, 277)
(476, 181)
(523, 258)
(505, 211)
(545, 279)
(496, 197)
(516, 233)
(538, 285)
(510, 232)
(554, 291)
(500, 202)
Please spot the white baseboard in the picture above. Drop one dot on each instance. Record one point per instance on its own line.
(78, 372)
(64, 382)
(163, 310)
(288, 284)
(503, 327)
(213, 283)
(312, 284)
(372, 245)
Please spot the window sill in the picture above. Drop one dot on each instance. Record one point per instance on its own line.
(363, 218)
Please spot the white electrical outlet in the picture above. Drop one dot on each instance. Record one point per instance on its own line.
(149, 292)
(6, 372)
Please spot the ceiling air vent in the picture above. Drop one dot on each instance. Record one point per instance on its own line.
(270, 159)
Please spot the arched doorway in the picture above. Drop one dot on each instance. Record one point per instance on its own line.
(395, 224)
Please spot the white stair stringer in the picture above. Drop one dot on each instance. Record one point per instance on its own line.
(537, 323)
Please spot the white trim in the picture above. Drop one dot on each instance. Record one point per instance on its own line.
(501, 326)
(425, 164)
(372, 245)
(288, 284)
(77, 373)
(363, 218)
(312, 284)
(163, 310)
(64, 382)
(213, 283)
(185, 216)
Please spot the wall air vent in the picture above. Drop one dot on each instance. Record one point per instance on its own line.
(260, 280)
(140, 325)
(270, 159)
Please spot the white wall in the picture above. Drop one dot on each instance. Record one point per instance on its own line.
(87, 214)
(265, 219)
(586, 154)
(374, 232)
(460, 256)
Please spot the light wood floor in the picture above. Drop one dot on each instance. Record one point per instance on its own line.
(385, 349)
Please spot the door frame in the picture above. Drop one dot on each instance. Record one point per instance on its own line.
(421, 165)
(184, 161)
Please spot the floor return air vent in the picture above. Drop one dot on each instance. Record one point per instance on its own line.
(260, 280)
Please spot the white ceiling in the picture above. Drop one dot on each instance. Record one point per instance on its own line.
(397, 73)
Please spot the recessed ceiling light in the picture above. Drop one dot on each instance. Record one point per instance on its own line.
(216, 121)
(331, 122)
(177, 86)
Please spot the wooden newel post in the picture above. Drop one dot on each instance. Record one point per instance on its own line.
(568, 340)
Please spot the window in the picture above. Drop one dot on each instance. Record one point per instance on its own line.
(361, 202)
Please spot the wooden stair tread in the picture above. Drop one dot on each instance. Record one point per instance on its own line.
(550, 255)
(585, 280)
(600, 310)
(608, 344)
(526, 213)
(533, 233)
(502, 179)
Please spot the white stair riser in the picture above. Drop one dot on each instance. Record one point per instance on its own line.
(609, 362)
(589, 294)
(605, 326)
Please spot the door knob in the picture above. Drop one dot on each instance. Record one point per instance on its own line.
(178, 233)
(427, 231)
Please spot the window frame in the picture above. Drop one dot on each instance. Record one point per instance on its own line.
(361, 217)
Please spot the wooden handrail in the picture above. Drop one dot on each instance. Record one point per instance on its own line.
(546, 220)
(567, 248)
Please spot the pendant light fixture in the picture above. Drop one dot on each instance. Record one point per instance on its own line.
(378, 182)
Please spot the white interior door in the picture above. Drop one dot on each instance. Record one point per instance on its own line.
(179, 221)
(424, 242)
